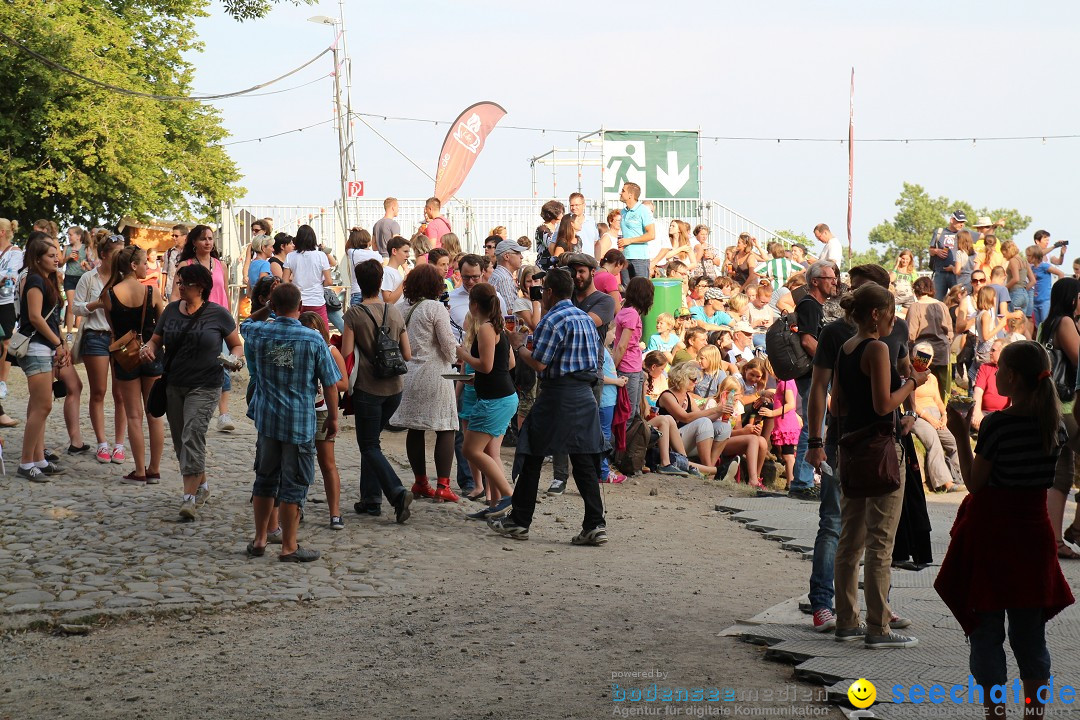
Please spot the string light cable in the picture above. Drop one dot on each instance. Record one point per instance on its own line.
(49, 62)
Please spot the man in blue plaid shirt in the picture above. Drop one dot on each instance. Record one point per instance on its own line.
(565, 417)
(289, 362)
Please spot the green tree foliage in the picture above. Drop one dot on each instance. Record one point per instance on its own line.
(253, 9)
(75, 152)
(790, 237)
(919, 215)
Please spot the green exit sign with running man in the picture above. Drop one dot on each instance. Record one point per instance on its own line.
(664, 163)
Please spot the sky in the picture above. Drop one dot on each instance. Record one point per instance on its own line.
(766, 69)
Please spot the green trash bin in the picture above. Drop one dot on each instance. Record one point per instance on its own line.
(667, 298)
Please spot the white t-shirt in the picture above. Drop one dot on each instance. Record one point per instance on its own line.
(355, 256)
(307, 269)
(459, 308)
(832, 251)
(391, 279)
(11, 262)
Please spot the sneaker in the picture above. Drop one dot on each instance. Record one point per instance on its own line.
(695, 473)
(33, 474)
(225, 423)
(302, 555)
(422, 489)
(732, 471)
(508, 528)
(153, 478)
(892, 640)
(480, 514)
(72, 450)
(443, 493)
(597, 536)
(401, 506)
(616, 478)
(51, 456)
(103, 454)
(52, 469)
(187, 509)
(670, 469)
(810, 493)
(118, 455)
(274, 538)
(849, 634)
(824, 620)
(363, 509)
(502, 507)
(557, 487)
(898, 623)
(336, 523)
(201, 495)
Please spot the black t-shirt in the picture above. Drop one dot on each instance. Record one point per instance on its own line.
(809, 318)
(33, 280)
(835, 334)
(600, 303)
(497, 383)
(196, 351)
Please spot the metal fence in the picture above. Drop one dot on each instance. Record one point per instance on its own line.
(472, 220)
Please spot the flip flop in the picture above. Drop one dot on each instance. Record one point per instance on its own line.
(1065, 552)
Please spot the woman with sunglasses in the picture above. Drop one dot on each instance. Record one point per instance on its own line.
(193, 330)
(94, 339)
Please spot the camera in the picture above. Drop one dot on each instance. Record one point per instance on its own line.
(536, 293)
(445, 297)
(1060, 244)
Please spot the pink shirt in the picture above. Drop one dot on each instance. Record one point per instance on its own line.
(219, 294)
(628, 320)
(436, 229)
(605, 282)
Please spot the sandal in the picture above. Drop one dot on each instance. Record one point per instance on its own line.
(132, 479)
(480, 497)
(1065, 552)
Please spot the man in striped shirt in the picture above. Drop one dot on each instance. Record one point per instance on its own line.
(779, 269)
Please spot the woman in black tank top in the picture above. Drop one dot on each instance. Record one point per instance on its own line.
(871, 391)
(124, 300)
(489, 354)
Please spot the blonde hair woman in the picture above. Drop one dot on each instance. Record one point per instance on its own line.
(451, 244)
(712, 371)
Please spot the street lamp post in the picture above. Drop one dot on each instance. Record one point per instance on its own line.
(346, 164)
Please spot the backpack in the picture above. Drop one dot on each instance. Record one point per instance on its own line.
(386, 360)
(786, 354)
(638, 438)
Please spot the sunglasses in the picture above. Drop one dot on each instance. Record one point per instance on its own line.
(977, 280)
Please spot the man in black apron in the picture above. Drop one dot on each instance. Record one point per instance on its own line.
(565, 417)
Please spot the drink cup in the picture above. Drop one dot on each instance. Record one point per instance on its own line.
(510, 322)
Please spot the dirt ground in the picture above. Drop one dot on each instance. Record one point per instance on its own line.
(479, 627)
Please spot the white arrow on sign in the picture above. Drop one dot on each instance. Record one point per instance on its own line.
(673, 178)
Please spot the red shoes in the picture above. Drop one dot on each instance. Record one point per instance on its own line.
(443, 493)
(422, 489)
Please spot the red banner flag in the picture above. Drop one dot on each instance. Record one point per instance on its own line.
(850, 159)
(462, 145)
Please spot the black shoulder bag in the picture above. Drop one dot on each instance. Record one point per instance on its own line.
(155, 401)
(386, 360)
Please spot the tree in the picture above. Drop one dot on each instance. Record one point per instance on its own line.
(253, 9)
(790, 237)
(920, 215)
(75, 152)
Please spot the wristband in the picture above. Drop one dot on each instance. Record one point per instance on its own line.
(814, 444)
(911, 414)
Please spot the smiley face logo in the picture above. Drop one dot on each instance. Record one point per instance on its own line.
(862, 693)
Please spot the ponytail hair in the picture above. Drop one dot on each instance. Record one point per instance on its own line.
(121, 265)
(485, 298)
(1030, 363)
(10, 227)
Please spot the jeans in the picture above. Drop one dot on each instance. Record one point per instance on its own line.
(1018, 298)
(828, 535)
(377, 478)
(943, 280)
(465, 479)
(586, 469)
(1042, 309)
(804, 474)
(1027, 637)
(638, 268)
(337, 319)
(607, 414)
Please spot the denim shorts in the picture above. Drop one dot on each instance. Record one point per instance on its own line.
(283, 470)
(145, 370)
(491, 416)
(95, 343)
(36, 364)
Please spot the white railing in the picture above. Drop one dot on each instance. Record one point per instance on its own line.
(472, 219)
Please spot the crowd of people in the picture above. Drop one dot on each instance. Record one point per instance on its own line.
(555, 345)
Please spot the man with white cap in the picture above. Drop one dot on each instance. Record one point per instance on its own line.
(942, 250)
(508, 260)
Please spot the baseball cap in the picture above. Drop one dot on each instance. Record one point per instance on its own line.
(714, 294)
(506, 246)
(683, 312)
(959, 216)
(743, 327)
(568, 259)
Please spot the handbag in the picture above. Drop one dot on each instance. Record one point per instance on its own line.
(125, 350)
(75, 351)
(156, 401)
(868, 463)
(1061, 370)
(333, 300)
(19, 343)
